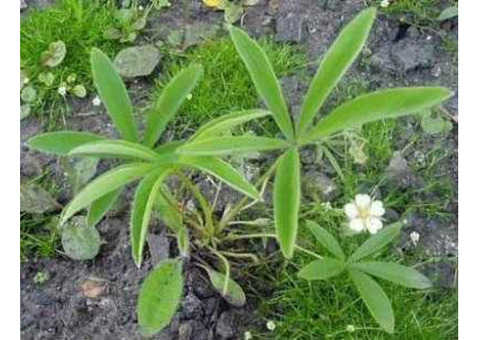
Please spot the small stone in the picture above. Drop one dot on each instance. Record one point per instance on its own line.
(226, 325)
(316, 185)
(93, 288)
(23, 5)
(289, 28)
(159, 247)
(192, 307)
(442, 274)
(398, 171)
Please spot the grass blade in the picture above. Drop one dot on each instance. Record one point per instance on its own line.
(395, 273)
(216, 127)
(374, 106)
(375, 299)
(336, 62)
(101, 206)
(169, 102)
(222, 146)
(223, 171)
(143, 202)
(106, 183)
(286, 200)
(115, 149)
(114, 95)
(62, 142)
(321, 269)
(326, 240)
(264, 79)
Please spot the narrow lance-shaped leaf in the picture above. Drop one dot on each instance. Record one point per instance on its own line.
(62, 142)
(114, 95)
(326, 239)
(221, 170)
(321, 269)
(222, 146)
(234, 295)
(169, 102)
(165, 204)
(336, 62)
(223, 124)
(375, 106)
(101, 206)
(375, 299)
(160, 296)
(103, 185)
(395, 273)
(286, 201)
(264, 79)
(376, 242)
(115, 149)
(143, 202)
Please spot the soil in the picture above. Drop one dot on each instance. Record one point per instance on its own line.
(62, 307)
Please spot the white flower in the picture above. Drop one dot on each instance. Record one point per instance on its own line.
(271, 325)
(96, 101)
(364, 214)
(62, 90)
(385, 3)
(350, 328)
(247, 335)
(415, 237)
(326, 205)
(140, 8)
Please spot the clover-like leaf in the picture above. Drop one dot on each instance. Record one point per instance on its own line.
(55, 54)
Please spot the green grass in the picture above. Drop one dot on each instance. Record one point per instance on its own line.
(81, 26)
(226, 86)
(421, 10)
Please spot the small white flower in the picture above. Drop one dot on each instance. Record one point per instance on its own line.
(271, 325)
(327, 205)
(364, 214)
(26, 80)
(96, 101)
(140, 8)
(247, 335)
(62, 90)
(415, 237)
(350, 328)
(189, 96)
(385, 3)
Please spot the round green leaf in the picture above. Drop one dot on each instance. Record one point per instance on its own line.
(80, 241)
(55, 54)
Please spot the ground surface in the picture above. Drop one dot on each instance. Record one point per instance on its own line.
(96, 299)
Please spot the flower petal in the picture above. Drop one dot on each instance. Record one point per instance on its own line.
(377, 209)
(351, 210)
(362, 201)
(373, 225)
(356, 225)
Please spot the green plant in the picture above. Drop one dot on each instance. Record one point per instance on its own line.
(129, 21)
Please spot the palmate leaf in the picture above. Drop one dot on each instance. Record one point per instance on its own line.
(104, 184)
(264, 79)
(286, 200)
(160, 296)
(395, 273)
(223, 146)
(336, 62)
(326, 240)
(376, 242)
(115, 149)
(114, 95)
(221, 170)
(322, 269)
(222, 124)
(169, 102)
(143, 202)
(101, 206)
(375, 299)
(374, 106)
(62, 142)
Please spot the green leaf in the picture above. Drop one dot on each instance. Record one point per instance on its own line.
(101, 206)
(115, 149)
(375, 299)
(160, 296)
(137, 61)
(143, 202)
(322, 269)
(326, 239)
(222, 124)
(104, 184)
(376, 242)
(165, 204)
(448, 13)
(234, 296)
(28, 94)
(55, 54)
(79, 240)
(223, 171)
(79, 171)
(264, 79)
(395, 273)
(222, 146)
(286, 200)
(62, 142)
(36, 200)
(182, 241)
(374, 106)
(336, 62)
(169, 102)
(114, 95)
(79, 91)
